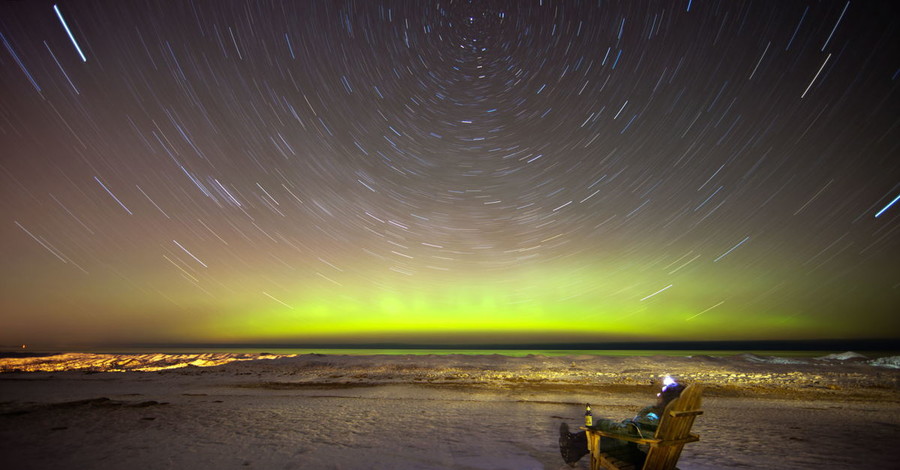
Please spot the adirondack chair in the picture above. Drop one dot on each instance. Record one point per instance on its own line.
(665, 445)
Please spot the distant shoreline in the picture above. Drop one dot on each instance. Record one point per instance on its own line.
(844, 376)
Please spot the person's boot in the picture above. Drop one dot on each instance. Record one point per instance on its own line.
(572, 447)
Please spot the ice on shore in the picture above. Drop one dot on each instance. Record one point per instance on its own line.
(772, 359)
(847, 370)
(892, 362)
(844, 356)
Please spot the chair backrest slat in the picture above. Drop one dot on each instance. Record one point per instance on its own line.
(674, 428)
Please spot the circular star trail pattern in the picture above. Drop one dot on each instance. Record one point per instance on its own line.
(449, 171)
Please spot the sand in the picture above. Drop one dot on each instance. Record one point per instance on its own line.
(430, 412)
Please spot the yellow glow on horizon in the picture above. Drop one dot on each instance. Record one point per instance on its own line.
(554, 304)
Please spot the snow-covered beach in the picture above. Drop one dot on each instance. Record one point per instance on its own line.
(430, 411)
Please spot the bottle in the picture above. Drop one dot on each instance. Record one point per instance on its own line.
(588, 417)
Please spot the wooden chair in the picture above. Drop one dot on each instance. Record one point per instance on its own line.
(665, 445)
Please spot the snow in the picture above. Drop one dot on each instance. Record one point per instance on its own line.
(892, 362)
(844, 356)
(428, 412)
(771, 359)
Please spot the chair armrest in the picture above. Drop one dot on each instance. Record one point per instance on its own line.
(677, 414)
(643, 440)
(623, 437)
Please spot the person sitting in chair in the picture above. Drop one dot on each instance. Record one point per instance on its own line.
(574, 446)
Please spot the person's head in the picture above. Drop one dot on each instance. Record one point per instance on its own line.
(670, 391)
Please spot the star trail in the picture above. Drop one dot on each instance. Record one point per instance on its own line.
(449, 171)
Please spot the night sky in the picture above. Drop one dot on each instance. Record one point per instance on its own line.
(223, 171)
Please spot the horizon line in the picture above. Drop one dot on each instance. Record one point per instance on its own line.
(856, 344)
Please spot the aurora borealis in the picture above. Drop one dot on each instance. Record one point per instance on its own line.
(225, 171)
